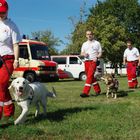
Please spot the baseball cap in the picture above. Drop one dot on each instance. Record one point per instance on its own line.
(3, 6)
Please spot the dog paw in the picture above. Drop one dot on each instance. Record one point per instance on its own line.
(16, 123)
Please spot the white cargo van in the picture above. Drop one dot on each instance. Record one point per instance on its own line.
(73, 65)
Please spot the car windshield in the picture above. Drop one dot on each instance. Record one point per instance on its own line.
(39, 52)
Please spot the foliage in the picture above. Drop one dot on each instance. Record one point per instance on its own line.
(48, 38)
(70, 117)
(112, 21)
(112, 36)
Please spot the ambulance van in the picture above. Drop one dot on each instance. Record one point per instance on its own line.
(73, 66)
(35, 62)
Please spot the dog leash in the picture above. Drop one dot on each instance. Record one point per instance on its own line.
(5, 66)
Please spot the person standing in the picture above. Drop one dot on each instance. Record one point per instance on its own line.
(92, 51)
(9, 53)
(131, 59)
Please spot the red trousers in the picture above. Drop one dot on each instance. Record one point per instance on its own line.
(90, 68)
(6, 104)
(131, 74)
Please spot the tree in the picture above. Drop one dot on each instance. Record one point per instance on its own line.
(126, 12)
(112, 21)
(48, 38)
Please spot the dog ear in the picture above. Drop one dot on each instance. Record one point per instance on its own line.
(102, 78)
(105, 72)
(27, 81)
(11, 87)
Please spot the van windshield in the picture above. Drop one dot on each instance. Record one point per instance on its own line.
(39, 52)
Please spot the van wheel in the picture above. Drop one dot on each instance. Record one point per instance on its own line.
(83, 76)
(30, 76)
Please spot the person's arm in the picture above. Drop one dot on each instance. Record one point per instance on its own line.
(125, 57)
(99, 51)
(99, 55)
(16, 54)
(124, 60)
(84, 54)
(139, 60)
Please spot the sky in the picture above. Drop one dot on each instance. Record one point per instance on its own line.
(41, 15)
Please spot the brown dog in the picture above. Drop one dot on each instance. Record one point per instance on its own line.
(112, 85)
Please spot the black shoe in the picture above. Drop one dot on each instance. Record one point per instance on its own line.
(97, 94)
(83, 95)
(131, 87)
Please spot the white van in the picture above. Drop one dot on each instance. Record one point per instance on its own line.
(73, 65)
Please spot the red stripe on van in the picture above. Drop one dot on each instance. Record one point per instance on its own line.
(49, 63)
(24, 69)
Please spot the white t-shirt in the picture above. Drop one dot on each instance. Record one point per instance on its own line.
(9, 35)
(92, 48)
(131, 55)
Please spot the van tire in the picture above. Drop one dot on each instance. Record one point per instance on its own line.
(83, 76)
(30, 76)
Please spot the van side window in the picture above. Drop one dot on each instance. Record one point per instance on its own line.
(73, 60)
(60, 60)
(23, 52)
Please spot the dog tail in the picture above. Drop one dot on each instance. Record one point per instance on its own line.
(53, 93)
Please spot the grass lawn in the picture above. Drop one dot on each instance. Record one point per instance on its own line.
(71, 117)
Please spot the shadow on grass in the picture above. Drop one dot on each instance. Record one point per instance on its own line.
(60, 114)
(6, 125)
(121, 93)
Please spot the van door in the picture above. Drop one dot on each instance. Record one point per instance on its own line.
(75, 66)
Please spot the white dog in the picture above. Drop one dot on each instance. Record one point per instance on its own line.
(26, 93)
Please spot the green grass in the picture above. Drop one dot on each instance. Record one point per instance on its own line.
(70, 117)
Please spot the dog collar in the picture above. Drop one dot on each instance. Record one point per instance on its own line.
(29, 98)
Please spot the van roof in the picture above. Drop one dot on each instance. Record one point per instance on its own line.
(63, 55)
(25, 41)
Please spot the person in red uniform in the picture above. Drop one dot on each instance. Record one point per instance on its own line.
(131, 59)
(9, 53)
(91, 50)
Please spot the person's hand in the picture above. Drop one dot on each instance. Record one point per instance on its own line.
(124, 63)
(86, 55)
(16, 64)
